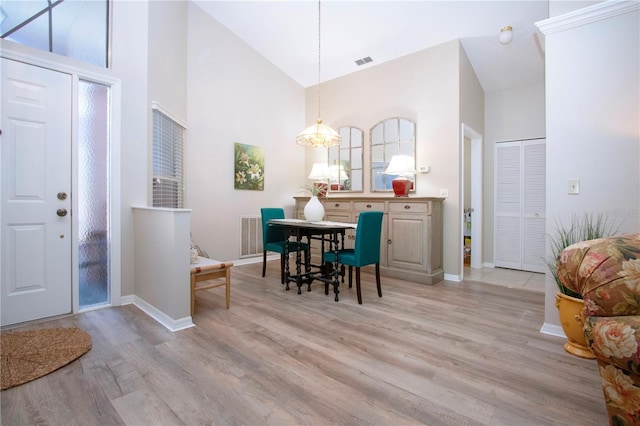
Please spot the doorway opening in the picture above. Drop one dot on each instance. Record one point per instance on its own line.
(471, 208)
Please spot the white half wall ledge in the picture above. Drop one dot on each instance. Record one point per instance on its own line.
(161, 256)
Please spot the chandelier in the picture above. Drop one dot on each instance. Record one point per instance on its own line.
(319, 135)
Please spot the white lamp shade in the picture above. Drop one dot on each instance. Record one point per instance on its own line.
(337, 173)
(319, 171)
(401, 165)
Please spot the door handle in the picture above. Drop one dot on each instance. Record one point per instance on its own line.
(62, 212)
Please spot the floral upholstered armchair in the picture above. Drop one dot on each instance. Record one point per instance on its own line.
(606, 272)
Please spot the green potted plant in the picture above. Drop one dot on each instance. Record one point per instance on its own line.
(569, 303)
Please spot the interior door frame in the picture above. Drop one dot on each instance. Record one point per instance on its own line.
(79, 71)
(476, 162)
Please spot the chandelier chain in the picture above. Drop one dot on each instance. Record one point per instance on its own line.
(319, 134)
(319, 114)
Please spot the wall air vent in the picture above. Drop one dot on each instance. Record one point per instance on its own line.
(364, 61)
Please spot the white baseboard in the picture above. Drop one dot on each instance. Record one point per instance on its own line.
(258, 259)
(168, 322)
(552, 330)
(451, 277)
(127, 300)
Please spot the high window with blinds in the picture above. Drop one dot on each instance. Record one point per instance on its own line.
(168, 136)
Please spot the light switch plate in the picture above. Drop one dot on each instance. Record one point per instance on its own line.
(573, 187)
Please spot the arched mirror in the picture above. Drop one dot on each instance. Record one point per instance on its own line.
(345, 162)
(393, 136)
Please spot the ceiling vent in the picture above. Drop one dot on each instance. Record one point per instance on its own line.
(364, 61)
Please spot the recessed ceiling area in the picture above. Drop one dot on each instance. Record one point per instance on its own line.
(286, 33)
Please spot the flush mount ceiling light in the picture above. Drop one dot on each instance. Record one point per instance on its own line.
(506, 34)
(319, 135)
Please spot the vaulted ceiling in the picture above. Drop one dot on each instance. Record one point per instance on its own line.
(286, 33)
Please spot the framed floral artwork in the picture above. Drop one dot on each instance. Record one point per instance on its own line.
(249, 167)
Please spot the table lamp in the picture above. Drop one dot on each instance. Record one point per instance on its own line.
(337, 173)
(320, 173)
(402, 166)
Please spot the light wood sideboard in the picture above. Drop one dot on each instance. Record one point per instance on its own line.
(411, 241)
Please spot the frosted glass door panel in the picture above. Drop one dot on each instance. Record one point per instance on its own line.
(93, 194)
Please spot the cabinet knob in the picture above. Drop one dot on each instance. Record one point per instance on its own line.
(389, 241)
(336, 205)
(407, 206)
(368, 206)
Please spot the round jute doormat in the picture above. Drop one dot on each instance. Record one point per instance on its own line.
(28, 355)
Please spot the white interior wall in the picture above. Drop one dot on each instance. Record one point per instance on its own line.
(511, 114)
(167, 80)
(130, 64)
(424, 87)
(472, 115)
(236, 95)
(593, 105)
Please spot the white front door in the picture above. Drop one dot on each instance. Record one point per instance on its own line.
(35, 274)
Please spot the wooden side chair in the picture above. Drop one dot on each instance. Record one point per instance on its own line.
(365, 252)
(274, 239)
(216, 273)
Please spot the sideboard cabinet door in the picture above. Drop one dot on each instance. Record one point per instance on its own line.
(407, 234)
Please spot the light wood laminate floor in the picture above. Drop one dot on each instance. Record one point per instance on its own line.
(507, 278)
(449, 354)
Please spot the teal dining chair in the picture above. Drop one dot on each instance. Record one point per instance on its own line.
(274, 239)
(365, 252)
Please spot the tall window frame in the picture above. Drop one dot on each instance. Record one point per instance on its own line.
(168, 159)
(79, 29)
(389, 137)
(346, 161)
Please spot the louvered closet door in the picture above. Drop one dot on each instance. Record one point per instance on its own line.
(520, 205)
(533, 205)
(508, 210)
